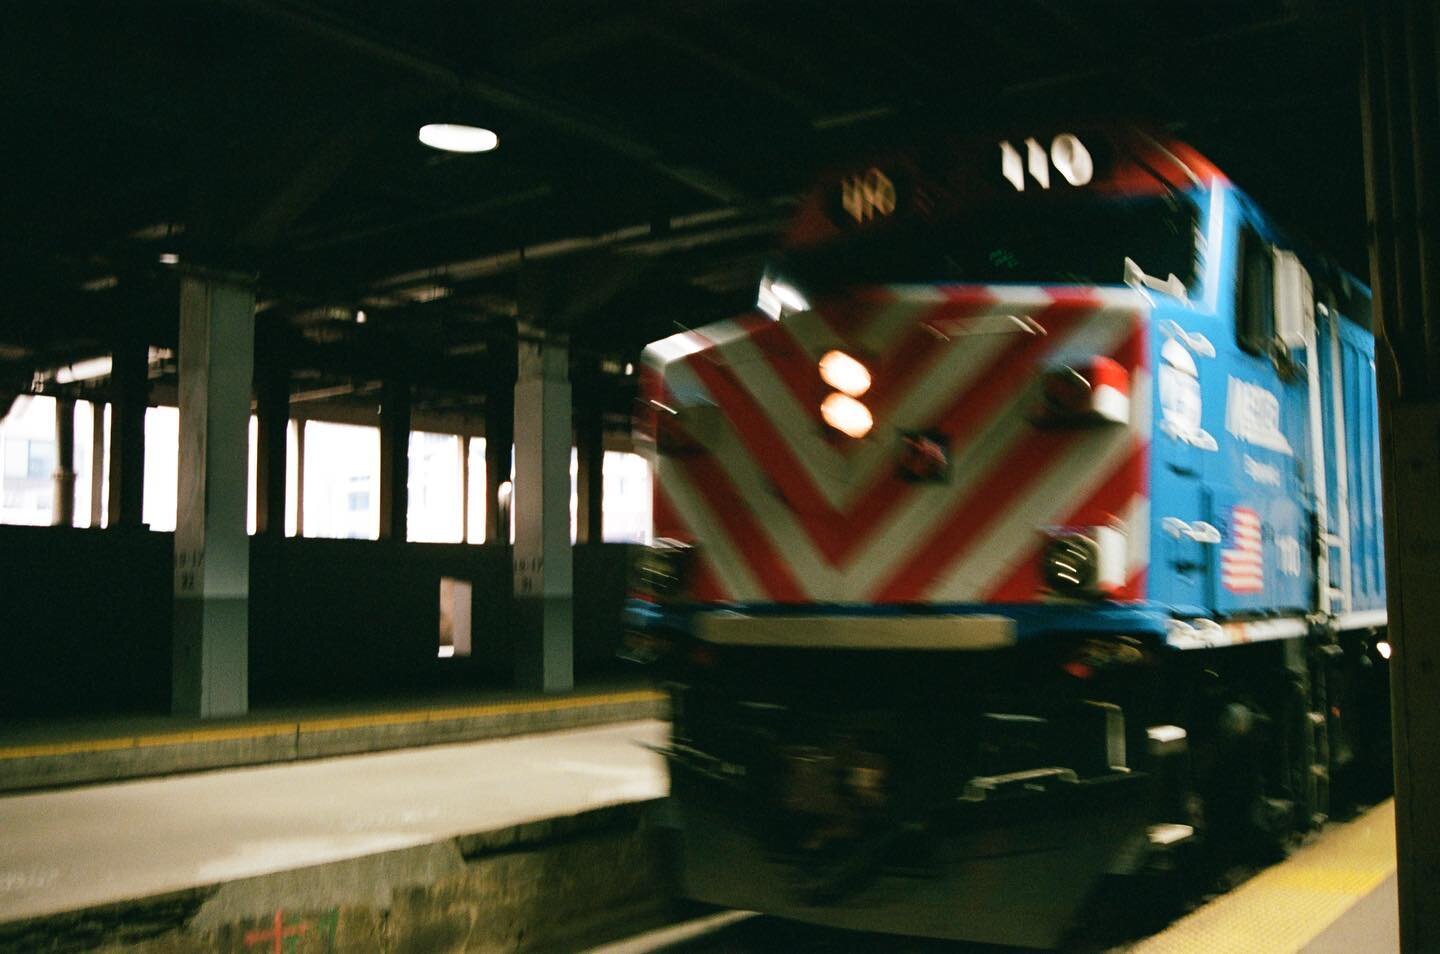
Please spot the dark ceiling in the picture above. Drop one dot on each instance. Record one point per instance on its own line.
(648, 153)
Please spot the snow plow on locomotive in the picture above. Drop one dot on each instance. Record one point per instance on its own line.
(1027, 533)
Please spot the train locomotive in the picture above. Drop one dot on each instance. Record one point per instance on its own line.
(1026, 535)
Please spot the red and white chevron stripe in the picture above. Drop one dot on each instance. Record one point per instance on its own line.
(786, 511)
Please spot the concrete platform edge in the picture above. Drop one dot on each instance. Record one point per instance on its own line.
(513, 887)
(25, 768)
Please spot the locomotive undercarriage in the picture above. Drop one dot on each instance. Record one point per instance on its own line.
(987, 796)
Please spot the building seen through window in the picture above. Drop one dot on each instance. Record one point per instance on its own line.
(341, 476)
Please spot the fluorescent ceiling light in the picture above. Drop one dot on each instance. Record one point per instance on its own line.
(86, 370)
(452, 137)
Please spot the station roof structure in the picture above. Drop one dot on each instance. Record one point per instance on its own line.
(648, 153)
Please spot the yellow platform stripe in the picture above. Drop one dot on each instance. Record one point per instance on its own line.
(1288, 905)
(304, 726)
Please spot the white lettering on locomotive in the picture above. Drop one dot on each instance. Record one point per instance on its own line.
(1067, 154)
(1252, 414)
(868, 196)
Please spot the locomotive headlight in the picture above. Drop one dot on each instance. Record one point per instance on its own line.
(847, 415)
(1088, 561)
(1071, 562)
(844, 373)
(662, 570)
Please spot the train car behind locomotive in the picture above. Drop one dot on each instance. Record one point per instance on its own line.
(1028, 532)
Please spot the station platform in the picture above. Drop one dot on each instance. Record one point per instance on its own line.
(494, 845)
(538, 842)
(48, 753)
(1336, 895)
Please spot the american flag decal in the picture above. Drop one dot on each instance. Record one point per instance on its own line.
(1242, 565)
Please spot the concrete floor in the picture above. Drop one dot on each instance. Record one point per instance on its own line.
(69, 849)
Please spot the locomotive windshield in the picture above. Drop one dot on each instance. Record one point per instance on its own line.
(1078, 241)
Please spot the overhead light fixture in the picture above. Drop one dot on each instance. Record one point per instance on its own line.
(87, 370)
(360, 316)
(455, 137)
(169, 258)
(844, 373)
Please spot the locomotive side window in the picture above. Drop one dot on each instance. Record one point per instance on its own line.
(1255, 309)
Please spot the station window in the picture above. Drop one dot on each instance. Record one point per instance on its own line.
(342, 471)
(27, 452)
(435, 496)
(627, 498)
(162, 467)
(1255, 307)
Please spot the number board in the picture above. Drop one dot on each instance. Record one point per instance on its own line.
(870, 196)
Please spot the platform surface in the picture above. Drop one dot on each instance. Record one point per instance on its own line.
(79, 847)
(1335, 894)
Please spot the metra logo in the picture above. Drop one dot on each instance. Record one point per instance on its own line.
(1252, 414)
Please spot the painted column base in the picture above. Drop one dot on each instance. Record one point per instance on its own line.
(210, 663)
(544, 644)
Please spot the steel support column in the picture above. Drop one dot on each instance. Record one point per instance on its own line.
(394, 460)
(97, 464)
(1402, 173)
(590, 475)
(62, 513)
(212, 551)
(272, 412)
(544, 585)
(499, 427)
(130, 386)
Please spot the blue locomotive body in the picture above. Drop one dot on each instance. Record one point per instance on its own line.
(1098, 584)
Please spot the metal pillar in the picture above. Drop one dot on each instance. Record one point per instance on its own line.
(544, 585)
(394, 460)
(499, 427)
(97, 463)
(212, 551)
(590, 475)
(130, 383)
(464, 489)
(62, 513)
(272, 411)
(1402, 184)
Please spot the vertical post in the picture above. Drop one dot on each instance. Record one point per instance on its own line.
(97, 464)
(499, 427)
(130, 383)
(590, 475)
(300, 477)
(544, 652)
(212, 551)
(272, 412)
(464, 488)
(62, 514)
(1401, 117)
(394, 460)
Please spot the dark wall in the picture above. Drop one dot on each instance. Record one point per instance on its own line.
(85, 618)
